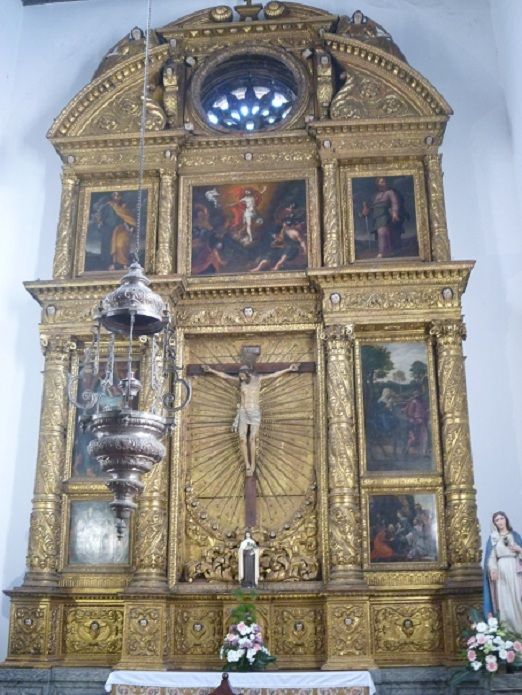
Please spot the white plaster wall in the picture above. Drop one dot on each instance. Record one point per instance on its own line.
(49, 52)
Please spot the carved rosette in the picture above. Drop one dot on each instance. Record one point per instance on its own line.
(462, 531)
(440, 245)
(406, 629)
(167, 208)
(63, 255)
(343, 497)
(348, 635)
(27, 631)
(93, 631)
(332, 250)
(143, 635)
(45, 529)
(298, 631)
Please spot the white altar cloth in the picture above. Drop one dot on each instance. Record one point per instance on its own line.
(260, 679)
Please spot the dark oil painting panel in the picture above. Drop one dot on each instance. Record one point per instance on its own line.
(385, 223)
(397, 409)
(92, 535)
(249, 228)
(403, 528)
(84, 465)
(111, 230)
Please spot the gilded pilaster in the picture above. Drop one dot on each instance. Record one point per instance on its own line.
(332, 238)
(45, 529)
(343, 496)
(167, 208)
(63, 255)
(462, 530)
(150, 549)
(440, 245)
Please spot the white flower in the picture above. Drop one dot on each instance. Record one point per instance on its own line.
(491, 658)
(481, 627)
(234, 655)
(508, 644)
(493, 623)
(251, 655)
(243, 629)
(498, 640)
(502, 654)
(476, 665)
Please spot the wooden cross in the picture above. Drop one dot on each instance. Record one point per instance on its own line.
(248, 375)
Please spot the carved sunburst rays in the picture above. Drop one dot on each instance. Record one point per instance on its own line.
(285, 456)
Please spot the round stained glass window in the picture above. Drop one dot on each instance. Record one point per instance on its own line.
(248, 93)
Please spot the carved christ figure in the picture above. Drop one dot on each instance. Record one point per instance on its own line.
(248, 419)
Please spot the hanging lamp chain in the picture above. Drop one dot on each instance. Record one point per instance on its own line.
(143, 122)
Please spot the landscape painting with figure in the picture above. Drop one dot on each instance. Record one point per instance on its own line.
(249, 228)
(92, 535)
(111, 230)
(397, 409)
(384, 219)
(84, 465)
(403, 528)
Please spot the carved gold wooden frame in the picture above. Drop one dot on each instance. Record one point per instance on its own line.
(187, 184)
(439, 563)
(401, 337)
(349, 172)
(66, 567)
(149, 225)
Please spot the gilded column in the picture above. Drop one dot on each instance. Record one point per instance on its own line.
(344, 514)
(63, 255)
(46, 523)
(440, 245)
(462, 532)
(332, 252)
(150, 548)
(167, 208)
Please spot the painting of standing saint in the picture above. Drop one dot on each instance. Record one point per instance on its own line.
(111, 230)
(397, 407)
(249, 228)
(385, 224)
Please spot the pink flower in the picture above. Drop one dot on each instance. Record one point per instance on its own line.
(517, 646)
(510, 657)
(481, 639)
(472, 655)
(257, 647)
(492, 666)
(471, 642)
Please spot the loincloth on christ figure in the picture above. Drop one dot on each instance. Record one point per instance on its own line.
(246, 416)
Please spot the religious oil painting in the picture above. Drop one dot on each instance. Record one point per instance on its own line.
(249, 227)
(398, 408)
(108, 223)
(92, 535)
(384, 217)
(403, 528)
(84, 465)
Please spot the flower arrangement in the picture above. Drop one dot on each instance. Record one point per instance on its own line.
(488, 646)
(243, 648)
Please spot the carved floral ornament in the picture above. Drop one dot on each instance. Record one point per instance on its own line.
(361, 74)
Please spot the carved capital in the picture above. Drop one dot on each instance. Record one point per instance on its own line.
(338, 336)
(56, 348)
(448, 333)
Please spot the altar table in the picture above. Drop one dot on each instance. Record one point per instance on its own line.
(253, 683)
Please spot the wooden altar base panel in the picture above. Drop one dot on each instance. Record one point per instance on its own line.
(153, 690)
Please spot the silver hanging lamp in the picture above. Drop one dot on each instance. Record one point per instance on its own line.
(127, 442)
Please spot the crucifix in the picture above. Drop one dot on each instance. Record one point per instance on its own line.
(249, 376)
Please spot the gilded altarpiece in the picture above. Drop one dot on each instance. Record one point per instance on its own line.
(314, 236)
